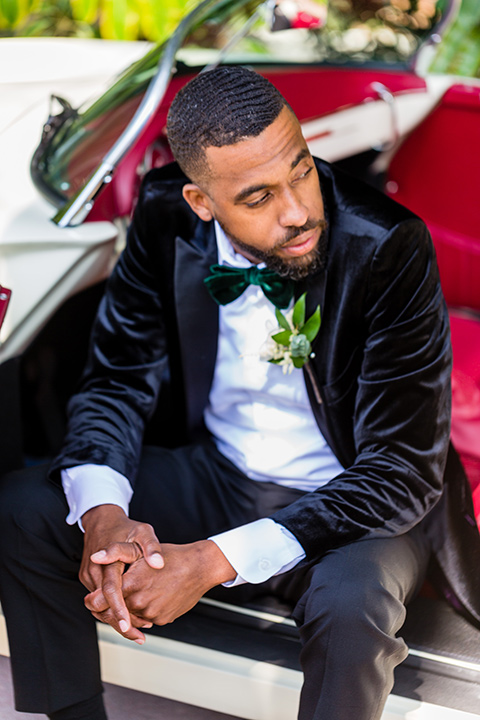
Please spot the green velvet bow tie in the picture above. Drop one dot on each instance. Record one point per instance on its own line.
(226, 284)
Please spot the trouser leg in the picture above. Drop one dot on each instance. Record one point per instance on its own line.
(54, 655)
(349, 618)
(186, 495)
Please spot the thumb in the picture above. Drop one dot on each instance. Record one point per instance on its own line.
(150, 547)
(153, 555)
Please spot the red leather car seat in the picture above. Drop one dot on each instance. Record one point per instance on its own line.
(435, 173)
(465, 330)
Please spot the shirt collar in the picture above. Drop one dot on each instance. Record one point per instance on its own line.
(226, 251)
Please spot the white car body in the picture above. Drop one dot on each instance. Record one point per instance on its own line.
(41, 263)
(44, 264)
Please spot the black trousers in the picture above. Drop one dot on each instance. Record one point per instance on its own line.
(349, 605)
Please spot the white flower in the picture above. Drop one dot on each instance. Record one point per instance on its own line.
(289, 345)
(269, 350)
(287, 364)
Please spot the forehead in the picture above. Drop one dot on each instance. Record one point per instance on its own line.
(265, 160)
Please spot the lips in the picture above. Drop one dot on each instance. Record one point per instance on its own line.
(302, 244)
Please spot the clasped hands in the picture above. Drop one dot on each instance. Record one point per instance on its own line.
(134, 581)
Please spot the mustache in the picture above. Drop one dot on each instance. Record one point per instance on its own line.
(294, 232)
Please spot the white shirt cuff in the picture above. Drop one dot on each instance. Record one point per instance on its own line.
(259, 550)
(87, 486)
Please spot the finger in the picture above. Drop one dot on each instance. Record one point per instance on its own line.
(126, 552)
(132, 634)
(150, 546)
(107, 616)
(91, 576)
(95, 601)
(112, 593)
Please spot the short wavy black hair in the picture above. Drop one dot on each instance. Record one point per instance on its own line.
(216, 108)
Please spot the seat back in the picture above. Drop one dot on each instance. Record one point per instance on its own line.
(436, 173)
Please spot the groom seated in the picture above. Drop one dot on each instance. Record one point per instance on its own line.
(288, 324)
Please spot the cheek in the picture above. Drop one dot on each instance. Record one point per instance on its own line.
(257, 229)
(266, 235)
(260, 229)
(316, 201)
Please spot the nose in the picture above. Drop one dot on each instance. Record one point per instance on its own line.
(293, 212)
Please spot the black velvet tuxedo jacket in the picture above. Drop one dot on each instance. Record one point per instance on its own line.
(379, 383)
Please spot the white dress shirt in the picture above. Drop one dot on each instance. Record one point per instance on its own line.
(261, 420)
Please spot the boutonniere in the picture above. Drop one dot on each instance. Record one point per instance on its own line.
(290, 344)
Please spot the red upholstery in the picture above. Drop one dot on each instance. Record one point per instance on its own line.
(435, 174)
(466, 397)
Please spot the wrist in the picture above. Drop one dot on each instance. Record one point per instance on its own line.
(102, 514)
(219, 568)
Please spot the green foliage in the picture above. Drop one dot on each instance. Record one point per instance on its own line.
(110, 19)
(55, 19)
(298, 317)
(154, 20)
(312, 326)
(283, 337)
(14, 12)
(459, 51)
(282, 320)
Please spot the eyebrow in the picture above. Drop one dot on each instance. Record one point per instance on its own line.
(246, 192)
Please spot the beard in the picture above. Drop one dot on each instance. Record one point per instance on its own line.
(294, 268)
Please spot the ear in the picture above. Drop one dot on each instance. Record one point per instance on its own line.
(198, 201)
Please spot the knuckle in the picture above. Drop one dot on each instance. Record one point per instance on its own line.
(146, 529)
(112, 548)
(109, 588)
(137, 604)
(93, 604)
(88, 604)
(83, 573)
(137, 550)
(87, 583)
(164, 620)
(152, 544)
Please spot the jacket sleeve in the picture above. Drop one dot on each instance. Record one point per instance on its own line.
(126, 362)
(401, 405)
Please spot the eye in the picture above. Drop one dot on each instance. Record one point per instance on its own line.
(305, 173)
(260, 201)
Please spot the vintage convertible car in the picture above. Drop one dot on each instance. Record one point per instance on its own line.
(366, 103)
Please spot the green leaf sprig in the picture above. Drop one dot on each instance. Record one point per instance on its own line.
(290, 345)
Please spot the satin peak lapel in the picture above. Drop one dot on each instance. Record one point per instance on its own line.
(197, 316)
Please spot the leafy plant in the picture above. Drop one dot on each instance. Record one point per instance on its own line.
(459, 51)
(360, 28)
(290, 345)
(110, 19)
(13, 13)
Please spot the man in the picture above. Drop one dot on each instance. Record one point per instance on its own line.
(329, 477)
